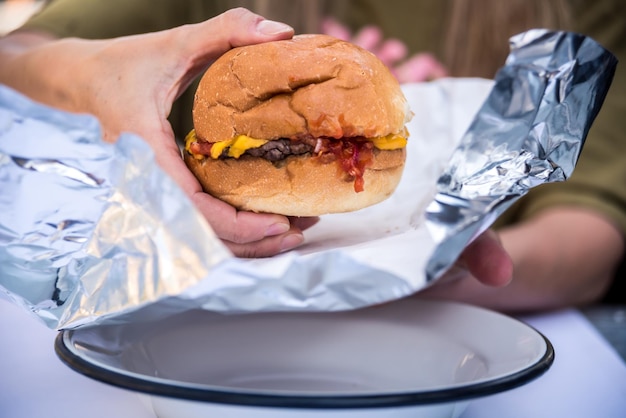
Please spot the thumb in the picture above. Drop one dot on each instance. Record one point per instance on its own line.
(487, 260)
(236, 27)
(201, 43)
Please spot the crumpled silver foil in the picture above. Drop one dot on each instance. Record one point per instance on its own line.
(530, 130)
(92, 232)
(79, 216)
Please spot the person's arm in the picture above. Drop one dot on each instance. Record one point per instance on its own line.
(562, 257)
(130, 83)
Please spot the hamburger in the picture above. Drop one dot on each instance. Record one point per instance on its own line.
(301, 127)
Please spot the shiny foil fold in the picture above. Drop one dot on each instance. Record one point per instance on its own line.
(92, 232)
(79, 217)
(530, 130)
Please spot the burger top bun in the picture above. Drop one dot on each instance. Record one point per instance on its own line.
(311, 84)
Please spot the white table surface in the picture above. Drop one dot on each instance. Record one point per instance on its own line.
(588, 378)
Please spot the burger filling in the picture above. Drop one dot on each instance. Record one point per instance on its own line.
(280, 149)
(353, 155)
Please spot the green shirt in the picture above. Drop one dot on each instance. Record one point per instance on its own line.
(599, 181)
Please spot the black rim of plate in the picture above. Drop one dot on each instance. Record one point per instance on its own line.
(167, 388)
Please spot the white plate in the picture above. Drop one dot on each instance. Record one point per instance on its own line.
(408, 358)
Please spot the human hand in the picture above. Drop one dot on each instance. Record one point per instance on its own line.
(130, 84)
(392, 52)
(484, 260)
(563, 256)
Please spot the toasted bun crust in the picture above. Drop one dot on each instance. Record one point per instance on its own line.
(299, 186)
(311, 84)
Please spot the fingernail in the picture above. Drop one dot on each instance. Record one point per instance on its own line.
(276, 229)
(270, 27)
(291, 241)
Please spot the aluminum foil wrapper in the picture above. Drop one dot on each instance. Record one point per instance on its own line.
(530, 130)
(94, 233)
(79, 217)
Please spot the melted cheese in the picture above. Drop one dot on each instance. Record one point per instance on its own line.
(389, 142)
(241, 143)
(237, 146)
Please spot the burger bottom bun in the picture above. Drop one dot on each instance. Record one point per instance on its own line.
(298, 186)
